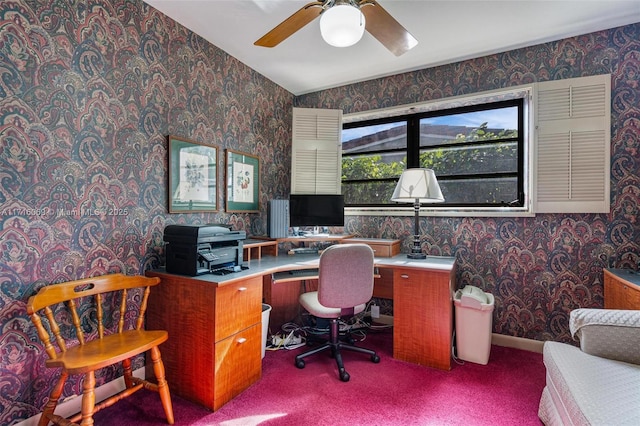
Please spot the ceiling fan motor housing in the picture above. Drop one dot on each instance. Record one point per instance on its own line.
(342, 24)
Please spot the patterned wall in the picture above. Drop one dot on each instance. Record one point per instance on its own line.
(89, 91)
(538, 268)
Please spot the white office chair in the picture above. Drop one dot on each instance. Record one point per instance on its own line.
(345, 285)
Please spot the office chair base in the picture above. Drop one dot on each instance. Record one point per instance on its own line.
(336, 346)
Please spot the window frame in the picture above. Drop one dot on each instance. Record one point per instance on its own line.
(521, 95)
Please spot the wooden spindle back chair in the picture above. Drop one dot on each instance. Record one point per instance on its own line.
(81, 351)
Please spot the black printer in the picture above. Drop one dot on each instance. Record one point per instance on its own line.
(203, 249)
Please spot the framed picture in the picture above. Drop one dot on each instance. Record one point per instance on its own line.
(193, 176)
(243, 182)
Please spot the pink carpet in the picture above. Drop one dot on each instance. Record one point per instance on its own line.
(506, 391)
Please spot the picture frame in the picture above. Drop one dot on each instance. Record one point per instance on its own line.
(242, 182)
(193, 176)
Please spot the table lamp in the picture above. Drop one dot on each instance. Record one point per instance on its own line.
(417, 186)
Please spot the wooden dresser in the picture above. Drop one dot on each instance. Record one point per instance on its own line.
(621, 289)
(215, 335)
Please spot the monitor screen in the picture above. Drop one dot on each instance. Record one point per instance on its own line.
(316, 210)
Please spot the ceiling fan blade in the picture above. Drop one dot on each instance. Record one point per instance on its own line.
(293, 23)
(388, 31)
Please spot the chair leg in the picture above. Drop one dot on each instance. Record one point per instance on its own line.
(54, 396)
(163, 386)
(309, 353)
(88, 398)
(358, 349)
(334, 341)
(127, 373)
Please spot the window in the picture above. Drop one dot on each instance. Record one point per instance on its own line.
(477, 152)
(491, 155)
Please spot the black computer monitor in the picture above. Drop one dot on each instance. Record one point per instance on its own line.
(316, 210)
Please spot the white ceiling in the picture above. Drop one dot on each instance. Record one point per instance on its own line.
(447, 31)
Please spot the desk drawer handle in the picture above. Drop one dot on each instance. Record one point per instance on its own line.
(242, 289)
(405, 276)
(242, 340)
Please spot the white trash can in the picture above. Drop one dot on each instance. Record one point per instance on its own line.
(266, 310)
(474, 320)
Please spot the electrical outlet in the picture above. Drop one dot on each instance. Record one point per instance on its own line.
(375, 311)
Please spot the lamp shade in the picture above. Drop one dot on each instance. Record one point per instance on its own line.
(342, 25)
(418, 185)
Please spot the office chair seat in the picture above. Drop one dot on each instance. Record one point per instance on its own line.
(310, 302)
(345, 285)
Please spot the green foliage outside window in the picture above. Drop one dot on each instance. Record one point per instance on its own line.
(480, 167)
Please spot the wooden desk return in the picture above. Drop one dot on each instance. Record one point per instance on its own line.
(214, 321)
(422, 305)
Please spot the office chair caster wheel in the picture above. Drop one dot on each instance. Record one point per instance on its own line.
(375, 359)
(344, 376)
(300, 363)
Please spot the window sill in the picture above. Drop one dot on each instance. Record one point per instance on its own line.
(437, 212)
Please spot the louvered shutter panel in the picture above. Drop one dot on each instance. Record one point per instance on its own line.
(316, 151)
(573, 126)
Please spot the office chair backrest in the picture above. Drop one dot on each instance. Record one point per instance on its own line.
(345, 277)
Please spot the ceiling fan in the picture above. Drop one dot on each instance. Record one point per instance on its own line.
(362, 14)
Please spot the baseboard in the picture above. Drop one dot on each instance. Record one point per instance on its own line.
(496, 339)
(73, 404)
(517, 342)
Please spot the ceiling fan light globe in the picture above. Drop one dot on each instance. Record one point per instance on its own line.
(342, 25)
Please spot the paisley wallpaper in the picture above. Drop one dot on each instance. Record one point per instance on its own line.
(89, 91)
(538, 268)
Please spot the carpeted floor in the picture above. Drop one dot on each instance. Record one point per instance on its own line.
(506, 391)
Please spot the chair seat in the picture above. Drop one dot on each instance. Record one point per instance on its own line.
(114, 348)
(310, 302)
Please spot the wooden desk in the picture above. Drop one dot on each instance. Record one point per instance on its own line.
(214, 347)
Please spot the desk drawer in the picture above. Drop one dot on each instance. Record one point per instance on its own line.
(238, 306)
(385, 250)
(380, 247)
(238, 364)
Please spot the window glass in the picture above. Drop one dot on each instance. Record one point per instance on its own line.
(476, 153)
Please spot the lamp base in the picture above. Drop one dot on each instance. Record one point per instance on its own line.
(417, 256)
(416, 251)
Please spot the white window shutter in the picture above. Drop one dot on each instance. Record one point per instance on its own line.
(573, 145)
(316, 158)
